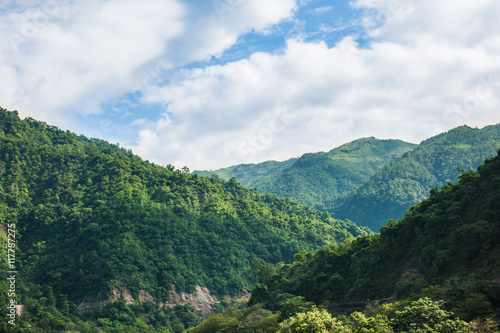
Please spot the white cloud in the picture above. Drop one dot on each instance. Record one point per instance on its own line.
(74, 57)
(64, 57)
(218, 24)
(324, 9)
(391, 89)
(459, 22)
(422, 73)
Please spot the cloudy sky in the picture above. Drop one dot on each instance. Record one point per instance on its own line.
(208, 84)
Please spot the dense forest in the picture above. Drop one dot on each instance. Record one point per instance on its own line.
(404, 182)
(250, 175)
(370, 181)
(90, 217)
(318, 179)
(435, 270)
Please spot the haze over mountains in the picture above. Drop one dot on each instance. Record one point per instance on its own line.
(370, 181)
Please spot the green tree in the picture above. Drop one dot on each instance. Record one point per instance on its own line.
(378, 324)
(90, 215)
(313, 321)
(426, 315)
(262, 270)
(476, 305)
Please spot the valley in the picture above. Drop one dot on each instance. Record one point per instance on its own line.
(106, 241)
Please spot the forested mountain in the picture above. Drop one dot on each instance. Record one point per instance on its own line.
(406, 181)
(250, 175)
(437, 269)
(318, 179)
(370, 181)
(90, 218)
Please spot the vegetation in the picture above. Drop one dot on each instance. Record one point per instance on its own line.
(422, 315)
(250, 175)
(312, 321)
(436, 270)
(90, 216)
(318, 179)
(370, 181)
(449, 239)
(406, 181)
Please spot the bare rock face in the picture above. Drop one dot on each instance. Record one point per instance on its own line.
(84, 305)
(144, 296)
(127, 295)
(118, 294)
(201, 299)
(242, 299)
(20, 309)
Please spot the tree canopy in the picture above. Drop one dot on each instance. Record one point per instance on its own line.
(91, 216)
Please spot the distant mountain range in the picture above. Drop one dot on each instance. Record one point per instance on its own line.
(435, 270)
(405, 181)
(318, 179)
(370, 181)
(105, 241)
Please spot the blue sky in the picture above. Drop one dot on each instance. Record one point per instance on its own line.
(208, 84)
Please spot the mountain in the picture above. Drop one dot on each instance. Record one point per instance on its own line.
(250, 175)
(318, 179)
(436, 270)
(103, 239)
(405, 181)
(454, 233)
(370, 181)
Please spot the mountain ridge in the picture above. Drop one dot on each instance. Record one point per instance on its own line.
(402, 183)
(91, 217)
(316, 179)
(435, 270)
(347, 186)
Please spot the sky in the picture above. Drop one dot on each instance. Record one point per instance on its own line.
(209, 84)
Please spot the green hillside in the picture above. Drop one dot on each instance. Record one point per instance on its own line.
(90, 217)
(317, 179)
(406, 181)
(370, 181)
(249, 175)
(436, 270)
